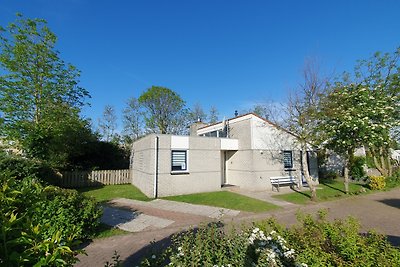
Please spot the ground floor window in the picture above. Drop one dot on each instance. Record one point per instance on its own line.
(287, 159)
(179, 160)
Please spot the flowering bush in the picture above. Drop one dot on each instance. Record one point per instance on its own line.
(377, 182)
(312, 242)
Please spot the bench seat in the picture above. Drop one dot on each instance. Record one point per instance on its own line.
(283, 180)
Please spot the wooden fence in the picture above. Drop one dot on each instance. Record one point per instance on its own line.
(94, 178)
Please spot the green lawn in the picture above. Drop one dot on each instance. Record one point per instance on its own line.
(109, 192)
(225, 199)
(326, 191)
(105, 230)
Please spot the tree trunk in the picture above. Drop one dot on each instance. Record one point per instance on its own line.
(378, 166)
(346, 176)
(389, 165)
(306, 174)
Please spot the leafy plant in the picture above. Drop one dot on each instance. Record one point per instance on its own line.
(312, 242)
(357, 171)
(376, 182)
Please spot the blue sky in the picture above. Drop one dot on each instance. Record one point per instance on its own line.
(230, 54)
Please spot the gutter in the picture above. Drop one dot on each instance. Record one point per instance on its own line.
(156, 149)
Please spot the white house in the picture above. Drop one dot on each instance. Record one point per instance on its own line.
(245, 151)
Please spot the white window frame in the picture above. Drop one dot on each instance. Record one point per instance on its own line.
(185, 168)
(284, 154)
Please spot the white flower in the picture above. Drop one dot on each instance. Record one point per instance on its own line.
(153, 256)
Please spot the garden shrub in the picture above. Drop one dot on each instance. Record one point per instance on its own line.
(357, 171)
(393, 181)
(312, 242)
(67, 211)
(19, 167)
(26, 238)
(376, 182)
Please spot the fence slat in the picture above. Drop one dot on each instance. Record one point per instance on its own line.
(94, 178)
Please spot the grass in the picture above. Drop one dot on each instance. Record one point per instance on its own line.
(225, 199)
(326, 191)
(109, 192)
(105, 230)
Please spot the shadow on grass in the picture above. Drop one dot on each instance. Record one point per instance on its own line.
(393, 202)
(327, 184)
(301, 193)
(89, 188)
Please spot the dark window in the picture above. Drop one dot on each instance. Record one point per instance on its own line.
(178, 160)
(287, 159)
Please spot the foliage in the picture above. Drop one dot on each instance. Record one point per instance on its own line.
(100, 155)
(213, 116)
(116, 262)
(40, 99)
(23, 239)
(132, 120)
(109, 192)
(210, 245)
(67, 211)
(19, 168)
(165, 111)
(338, 243)
(377, 182)
(357, 171)
(197, 114)
(311, 242)
(227, 200)
(108, 124)
(393, 181)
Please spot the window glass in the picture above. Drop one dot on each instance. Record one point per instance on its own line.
(179, 160)
(287, 159)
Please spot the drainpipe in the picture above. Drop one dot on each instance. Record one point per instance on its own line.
(156, 144)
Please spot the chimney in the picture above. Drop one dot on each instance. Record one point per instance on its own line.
(195, 126)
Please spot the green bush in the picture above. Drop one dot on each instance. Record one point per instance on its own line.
(357, 171)
(28, 237)
(393, 181)
(19, 167)
(312, 242)
(67, 211)
(376, 182)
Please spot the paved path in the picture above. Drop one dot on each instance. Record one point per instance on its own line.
(380, 211)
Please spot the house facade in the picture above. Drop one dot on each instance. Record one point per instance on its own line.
(244, 151)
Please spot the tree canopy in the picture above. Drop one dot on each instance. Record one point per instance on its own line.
(40, 98)
(165, 110)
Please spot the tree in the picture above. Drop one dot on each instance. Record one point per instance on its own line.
(108, 124)
(39, 92)
(213, 117)
(301, 112)
(197, 113)
(132, 120)
(365, 112)
(165, 111)
(381, 74)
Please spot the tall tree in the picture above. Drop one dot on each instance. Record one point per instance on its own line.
(213, 116)
(381, 74)
(108, 124)
(301, 109)
(132, 120)
(39, 92)
(165, 111)
(197, 113)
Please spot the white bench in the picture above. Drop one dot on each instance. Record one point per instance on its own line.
(283, 180)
